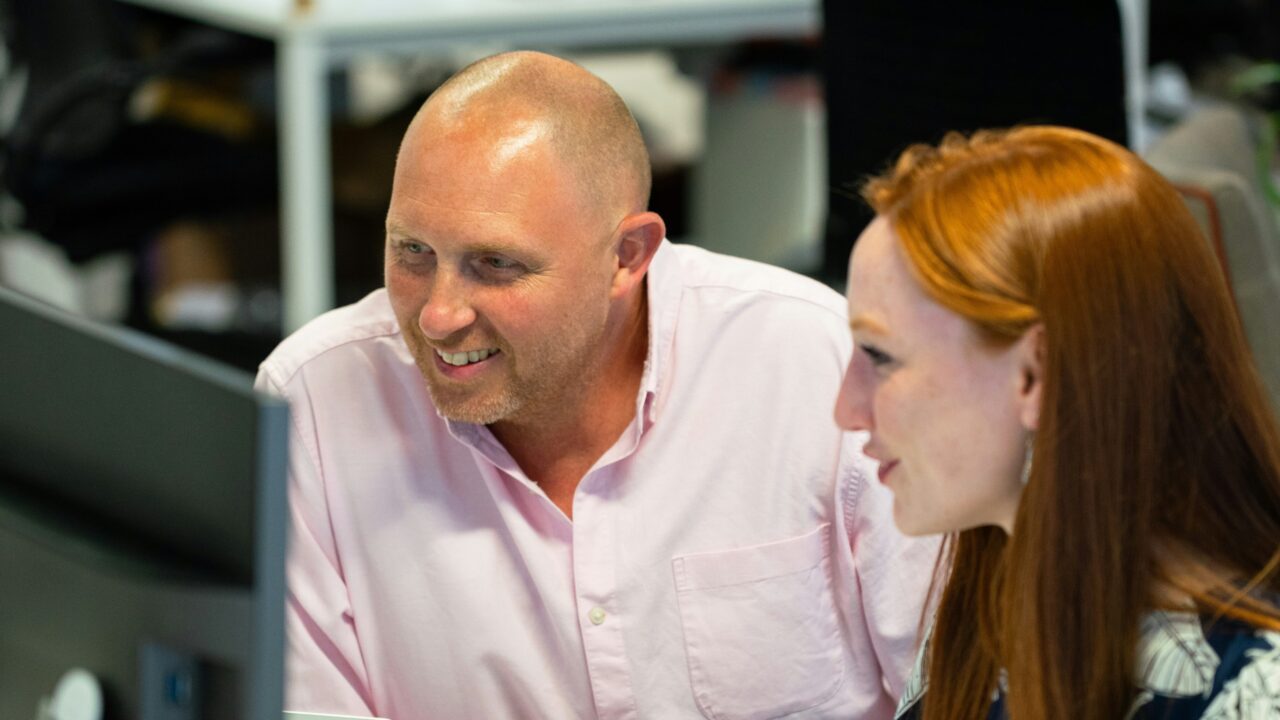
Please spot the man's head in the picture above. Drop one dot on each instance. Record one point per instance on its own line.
(517, 234)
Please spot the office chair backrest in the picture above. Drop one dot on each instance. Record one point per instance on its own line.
(1212, 158)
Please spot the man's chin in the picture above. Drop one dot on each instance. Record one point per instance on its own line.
(474, 416)
(469, 407)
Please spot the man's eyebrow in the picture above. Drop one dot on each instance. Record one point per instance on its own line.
(395, 228)
(497, 247)
(864, 323)
(485, 247)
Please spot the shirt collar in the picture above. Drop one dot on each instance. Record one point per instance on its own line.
(664, 284)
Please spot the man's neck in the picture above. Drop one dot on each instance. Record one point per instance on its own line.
(556, 449)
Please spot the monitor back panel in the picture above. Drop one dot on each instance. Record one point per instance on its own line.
(142, 502)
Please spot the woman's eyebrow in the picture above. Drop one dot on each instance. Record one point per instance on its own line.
(864, 323)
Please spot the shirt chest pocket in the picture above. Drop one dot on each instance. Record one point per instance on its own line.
(761, 633)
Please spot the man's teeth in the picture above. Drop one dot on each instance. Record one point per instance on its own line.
(465, 358)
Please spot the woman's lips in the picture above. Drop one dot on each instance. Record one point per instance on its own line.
(886, 468)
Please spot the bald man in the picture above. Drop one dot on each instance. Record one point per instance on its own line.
(562, 468)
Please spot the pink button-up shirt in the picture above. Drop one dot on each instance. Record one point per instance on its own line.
(730, 556)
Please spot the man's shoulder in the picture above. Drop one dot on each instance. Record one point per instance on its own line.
(704, 270)
(367, 320)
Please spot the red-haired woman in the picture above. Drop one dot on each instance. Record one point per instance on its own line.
(1052, 373)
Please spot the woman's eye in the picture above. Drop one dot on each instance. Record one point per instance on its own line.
(499, 263)
(878, 357)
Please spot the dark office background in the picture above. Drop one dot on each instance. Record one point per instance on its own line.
(187, 183)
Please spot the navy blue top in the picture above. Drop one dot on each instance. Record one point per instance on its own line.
(1187, 669)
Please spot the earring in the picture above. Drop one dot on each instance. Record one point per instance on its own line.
(1027, 458)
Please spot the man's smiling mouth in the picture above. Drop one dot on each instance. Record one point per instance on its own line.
(459, 359)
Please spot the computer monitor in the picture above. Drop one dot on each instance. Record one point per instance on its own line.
(142, 523)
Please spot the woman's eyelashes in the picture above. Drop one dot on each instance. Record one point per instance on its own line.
(878, 357)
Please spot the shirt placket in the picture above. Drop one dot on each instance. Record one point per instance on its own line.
(599, 615)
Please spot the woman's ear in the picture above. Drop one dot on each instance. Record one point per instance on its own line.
(1030, 358)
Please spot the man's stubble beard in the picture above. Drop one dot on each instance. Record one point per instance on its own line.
(538, 383)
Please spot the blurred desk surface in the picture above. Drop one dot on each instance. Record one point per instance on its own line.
(313, 36)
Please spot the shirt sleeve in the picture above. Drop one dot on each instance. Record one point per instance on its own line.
(893, 570)
(324, 669)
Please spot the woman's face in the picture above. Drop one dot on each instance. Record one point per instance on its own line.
(948, 414)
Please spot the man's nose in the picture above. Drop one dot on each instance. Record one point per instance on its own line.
(448, 308)
(853, 403)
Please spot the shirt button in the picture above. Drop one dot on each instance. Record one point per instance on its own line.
(596, 616)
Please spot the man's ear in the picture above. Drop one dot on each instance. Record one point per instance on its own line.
(638, 237)
(1030, 359)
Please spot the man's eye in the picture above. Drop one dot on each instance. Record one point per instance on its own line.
(498, 263)
(414, 248)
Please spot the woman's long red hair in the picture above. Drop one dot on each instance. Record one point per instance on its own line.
(1157, 458)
